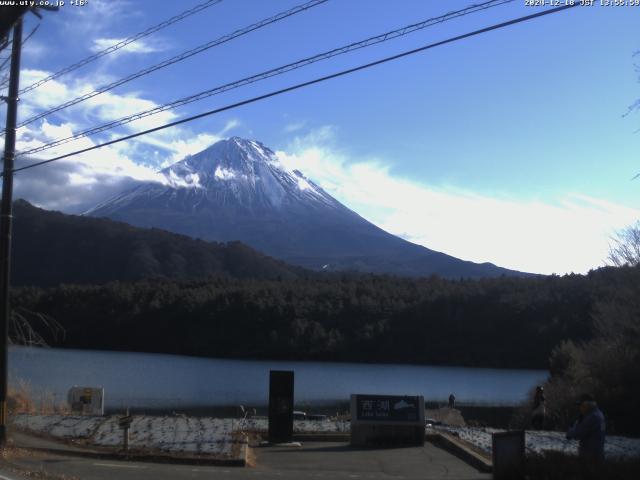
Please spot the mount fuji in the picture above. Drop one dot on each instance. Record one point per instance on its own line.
(237, 189)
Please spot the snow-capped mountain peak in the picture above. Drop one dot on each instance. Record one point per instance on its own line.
(233, 154)
(235, 171)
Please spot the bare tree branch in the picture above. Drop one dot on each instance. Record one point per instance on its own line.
(625, 249)
(33, 328)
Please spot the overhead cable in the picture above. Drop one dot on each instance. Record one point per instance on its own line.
(303, 84)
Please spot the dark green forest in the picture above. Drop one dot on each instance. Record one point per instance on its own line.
(504, 322)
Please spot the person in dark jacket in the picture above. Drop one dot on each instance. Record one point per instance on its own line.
(539, 409)
(589, 430)
(452, 401)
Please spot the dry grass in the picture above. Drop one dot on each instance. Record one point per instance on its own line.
(252, 461)
(21, 399)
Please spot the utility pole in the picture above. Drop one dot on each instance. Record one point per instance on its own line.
(6, 222)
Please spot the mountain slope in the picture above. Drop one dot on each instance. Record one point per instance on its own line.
(238, 190)
(51, 248)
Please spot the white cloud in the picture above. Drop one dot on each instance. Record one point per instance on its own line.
(112, 160)
(139, 46)
(294, 127)
(570, 234)
(99, 18)
(105, 108)
(84, 178)
(115, 165)
(230, 125)
(193, 143)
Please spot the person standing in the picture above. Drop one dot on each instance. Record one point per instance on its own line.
(539, 409)
(589, 430)
(452, 401)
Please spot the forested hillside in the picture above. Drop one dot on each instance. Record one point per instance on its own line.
(505, 322)
(50, 248)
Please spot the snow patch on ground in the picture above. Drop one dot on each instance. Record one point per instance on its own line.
(59, 426)
(216, 436)
(536, 442)
(175, 434)
(171, 434)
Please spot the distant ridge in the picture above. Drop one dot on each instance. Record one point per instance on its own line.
(50, 248)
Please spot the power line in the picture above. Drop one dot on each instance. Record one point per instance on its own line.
(305, 84)
(122, 44)
(31, 33)
(178, 58)
(5, 81)
(271, 73)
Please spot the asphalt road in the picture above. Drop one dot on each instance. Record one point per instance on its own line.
(313, 460)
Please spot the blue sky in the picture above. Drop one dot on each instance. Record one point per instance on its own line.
(509, 147)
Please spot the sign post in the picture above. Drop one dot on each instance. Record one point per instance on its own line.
(387, 420)
(125, 425)
(280, 406)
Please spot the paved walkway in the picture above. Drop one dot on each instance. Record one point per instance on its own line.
(313, 460)
(338, 460)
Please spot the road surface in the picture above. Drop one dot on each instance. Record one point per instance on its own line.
(315, 460)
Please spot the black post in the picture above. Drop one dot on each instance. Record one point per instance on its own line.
(280, 406)
(6, 220)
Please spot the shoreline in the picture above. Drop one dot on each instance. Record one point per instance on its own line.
(174, 383)
(285, 360)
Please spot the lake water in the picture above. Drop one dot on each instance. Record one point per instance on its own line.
(143, 380)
